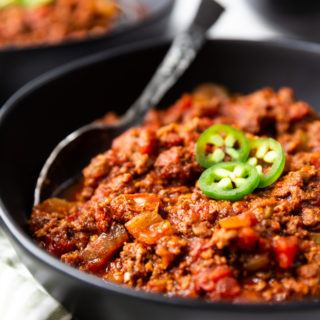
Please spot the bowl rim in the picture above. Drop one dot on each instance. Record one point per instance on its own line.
(25, 241)
(163, 8)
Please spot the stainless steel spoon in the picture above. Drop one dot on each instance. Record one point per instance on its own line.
(75, 151)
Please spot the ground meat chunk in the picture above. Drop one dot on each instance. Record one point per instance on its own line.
(178, 163)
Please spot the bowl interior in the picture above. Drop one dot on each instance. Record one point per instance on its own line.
(43, 112)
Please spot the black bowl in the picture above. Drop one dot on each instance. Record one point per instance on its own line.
(44, 111)
(20, 65)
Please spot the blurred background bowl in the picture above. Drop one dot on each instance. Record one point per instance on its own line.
(19, 65)
(293, 18)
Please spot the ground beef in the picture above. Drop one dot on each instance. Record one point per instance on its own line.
(139, 218)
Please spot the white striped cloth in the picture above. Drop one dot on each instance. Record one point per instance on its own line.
(21, 296)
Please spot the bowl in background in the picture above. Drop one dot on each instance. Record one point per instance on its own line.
(19, 65)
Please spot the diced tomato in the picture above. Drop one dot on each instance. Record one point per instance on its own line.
(246, 219)
(207, 278)
(228, 288)
(220, 272)
(148, 227)
(203, 282)
(285, 249)
(247, 238)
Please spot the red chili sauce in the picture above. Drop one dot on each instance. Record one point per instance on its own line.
(141, 220)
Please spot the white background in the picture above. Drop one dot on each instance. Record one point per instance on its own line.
(238, 20)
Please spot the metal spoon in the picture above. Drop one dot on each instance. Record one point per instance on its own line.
(75, 151)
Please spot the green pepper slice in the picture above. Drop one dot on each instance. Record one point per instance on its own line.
(267, 156)
(220, 142)
(229, 180)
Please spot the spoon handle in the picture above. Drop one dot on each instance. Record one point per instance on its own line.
(179, 57)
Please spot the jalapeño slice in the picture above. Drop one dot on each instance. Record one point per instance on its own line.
(229, 180)
(267, 156)
(220, 142)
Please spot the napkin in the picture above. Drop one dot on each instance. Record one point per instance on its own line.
(21, 296)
